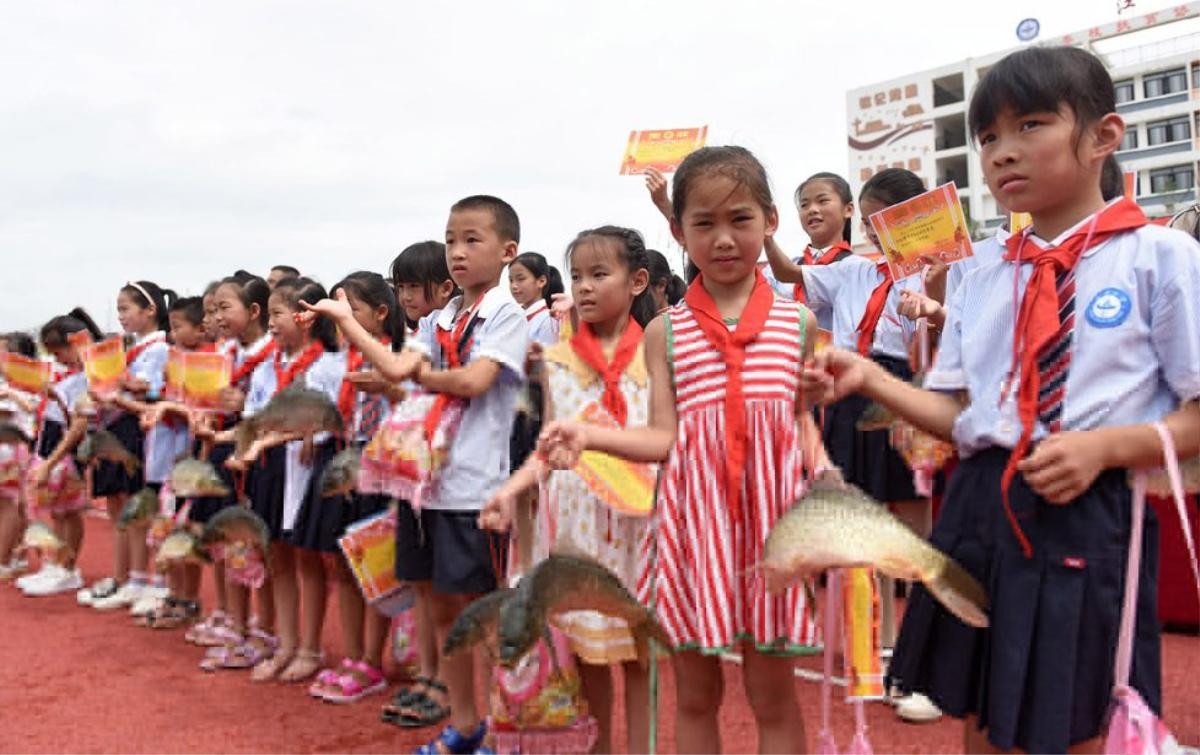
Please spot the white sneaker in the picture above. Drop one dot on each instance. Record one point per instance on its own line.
(126, 596)
(100, 589)
(48, 571)
(14, 568)
(66, 581)
(917, 709)
(151, 599)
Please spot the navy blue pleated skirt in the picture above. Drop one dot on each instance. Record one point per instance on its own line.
(265, 484)
(112, 479)
(1040, 676)
(867, 459)
(320, 521)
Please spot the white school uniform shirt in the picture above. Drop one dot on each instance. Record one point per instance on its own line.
(161, 444)
(788, 290)
(983, 252)
(68, 389)
(543, 327)
(840, 292)
(1135, 349)
(324, 375)
(478, 461)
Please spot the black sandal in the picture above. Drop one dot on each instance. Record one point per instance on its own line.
(413, 708)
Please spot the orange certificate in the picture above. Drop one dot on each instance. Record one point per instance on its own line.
(928, 225)
(824, 340)
(173, 390)
(104, 364)
(663, 149)
(370, 548)
(624, 486)
(204, 376)
(24, 373)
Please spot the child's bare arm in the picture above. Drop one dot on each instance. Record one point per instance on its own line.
(394, 366)
(475, 379)
(1065, 464)
(784, 270)
(844, 372)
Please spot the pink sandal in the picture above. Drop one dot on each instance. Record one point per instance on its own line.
(356, 682)
(214, 631)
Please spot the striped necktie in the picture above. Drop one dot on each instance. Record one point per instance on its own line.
(1054, 362)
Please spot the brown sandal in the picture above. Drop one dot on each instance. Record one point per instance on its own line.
(304, 664)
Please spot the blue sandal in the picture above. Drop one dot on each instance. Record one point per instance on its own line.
(454, 741)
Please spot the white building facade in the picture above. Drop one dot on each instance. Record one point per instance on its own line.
(918, 121)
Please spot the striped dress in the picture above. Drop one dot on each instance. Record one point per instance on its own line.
(704, 590)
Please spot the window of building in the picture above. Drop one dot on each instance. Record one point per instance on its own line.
(1170, 130)
(1167, 82)
(1175, 178)
(1130, 140)
(1124, 90)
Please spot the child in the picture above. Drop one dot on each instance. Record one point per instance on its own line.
(286, 495)
(1046, 531)
(826, 208)
(364, 401)
(186, 317)
(279, 273)
(16, 410)
(142, 312)
(666, 287)
(603, 364)
(241, 316)
(858, 300)
(724, 416)
(533, 283)
(422, 281)
(55, 482)
(475, 350)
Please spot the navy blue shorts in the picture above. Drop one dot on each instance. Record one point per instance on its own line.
(448, 549)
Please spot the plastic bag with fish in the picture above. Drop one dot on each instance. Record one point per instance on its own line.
(64, 491)
(180, 547)
(837, 525)
(139, 509)
(403, 458)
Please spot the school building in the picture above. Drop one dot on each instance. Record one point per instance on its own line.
(918, 121)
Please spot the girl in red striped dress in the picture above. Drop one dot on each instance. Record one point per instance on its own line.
(724, 366)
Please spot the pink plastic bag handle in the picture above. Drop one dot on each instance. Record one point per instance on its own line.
(1133, 565)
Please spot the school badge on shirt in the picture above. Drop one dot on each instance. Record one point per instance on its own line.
(1109, 308)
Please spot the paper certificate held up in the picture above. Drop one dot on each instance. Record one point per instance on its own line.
(24, 373)
(662, 149)
(173, 388)
(624, 486)
(370, 549)
(928, 225)
(204, 376)
(104, 365)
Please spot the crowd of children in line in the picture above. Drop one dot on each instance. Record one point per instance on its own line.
(714, 381)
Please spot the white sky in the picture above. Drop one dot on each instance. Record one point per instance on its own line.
(176, 142)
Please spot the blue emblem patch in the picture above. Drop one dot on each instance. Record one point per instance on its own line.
(1109, 308)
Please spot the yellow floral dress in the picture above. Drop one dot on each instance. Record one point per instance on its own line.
(572, 520)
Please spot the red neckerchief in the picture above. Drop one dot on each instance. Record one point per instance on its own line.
(535, 309)
(207, 348)
(829, 257)
(874, 310)
(251, 363)
(732, 347)
(450, 343)
(304, 360)
(588, 348)
(1038, 323)
(136, 351)
(346, 394)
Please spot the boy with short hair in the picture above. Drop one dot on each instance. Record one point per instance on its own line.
(474, 350)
